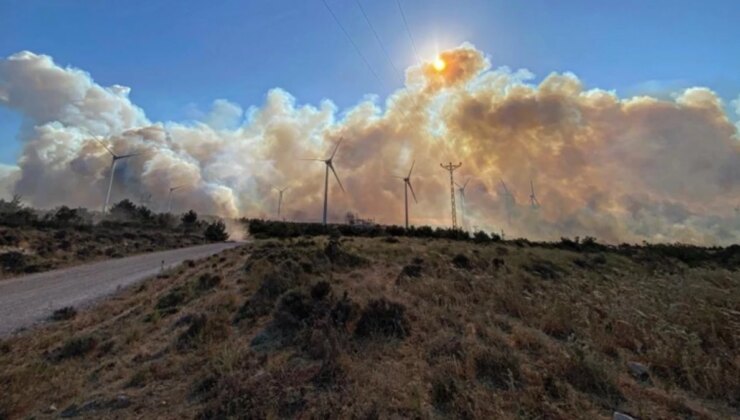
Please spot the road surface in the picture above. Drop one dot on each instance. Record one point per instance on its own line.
(29, 299)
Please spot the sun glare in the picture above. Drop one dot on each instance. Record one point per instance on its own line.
(439, 64)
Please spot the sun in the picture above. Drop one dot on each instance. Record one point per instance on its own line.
(439, 64)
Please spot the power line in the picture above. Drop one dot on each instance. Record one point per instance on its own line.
(408, 31)
(349, 38)
(377, 38)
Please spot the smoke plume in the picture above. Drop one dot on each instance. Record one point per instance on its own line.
(620, 169)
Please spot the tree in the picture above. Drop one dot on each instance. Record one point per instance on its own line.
(124, 211)
(216, 232)
(190, 218)
(66, 216)
(13, 213)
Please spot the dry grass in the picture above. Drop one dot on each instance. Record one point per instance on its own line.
(314, 329)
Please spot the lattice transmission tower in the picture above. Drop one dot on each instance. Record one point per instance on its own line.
(451, 168)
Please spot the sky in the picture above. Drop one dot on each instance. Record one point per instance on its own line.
(178, 56)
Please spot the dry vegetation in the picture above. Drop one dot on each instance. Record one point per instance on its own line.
(32, 241)
(393, 327)
(25, 250)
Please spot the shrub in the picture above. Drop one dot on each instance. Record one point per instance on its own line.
(344, 311)
(13, 262)
(216, 232)
(280, 278)
(411, 270)
(123, 211)
(195, 330)
(208, 281)
(13, 213)
(543, 269)
(66, 216)
(340, 257)
(498, 369)
(585, 375)
(64, 314)
(461, 261)
(75, 347)
(481, 237)
(189, 219)
(201, 328)
(444, 392)
(320, 290)
(383, 318)
(170, 302)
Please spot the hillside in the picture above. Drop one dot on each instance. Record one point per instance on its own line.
(395, 327)
(30, 243)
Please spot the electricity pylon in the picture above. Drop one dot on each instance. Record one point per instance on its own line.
(451, 168)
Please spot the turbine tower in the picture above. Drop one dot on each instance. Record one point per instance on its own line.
(145, 199)
(461, 189)
(533, 198)
(509, 200)
(114, 161)
(169, 197)
(406, 187)
(280, 199)
(451, 168)
(329, 162)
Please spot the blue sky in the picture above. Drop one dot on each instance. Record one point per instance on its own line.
(180, 55)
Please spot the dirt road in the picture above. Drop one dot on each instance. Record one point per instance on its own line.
(29, 299)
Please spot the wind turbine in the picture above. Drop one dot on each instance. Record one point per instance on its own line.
(532, 197)
(406, 187)
(509, 201)
(329, 162)
(280, 199)
(169, 197)
(461, 189)
(114, 161)
(145, 199)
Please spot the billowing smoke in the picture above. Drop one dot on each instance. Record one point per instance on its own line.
(620, 169)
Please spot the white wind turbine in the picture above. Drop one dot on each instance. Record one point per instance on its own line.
(510, 201)
(169, 197)
(114, 160)
(406, 187)
(461, 189)
(329, 162)
(533, 198)
(280, 198)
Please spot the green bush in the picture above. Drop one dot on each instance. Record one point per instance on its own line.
(216, 232)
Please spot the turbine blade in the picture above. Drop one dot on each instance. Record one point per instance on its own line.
(336, 176)
(506, 189)
(319, 160)
(128, 155)
(336, 148)
(104, 145)
(466, 183)
(413, 194)
(412, 168)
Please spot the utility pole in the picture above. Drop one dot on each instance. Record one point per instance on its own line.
(451, 168)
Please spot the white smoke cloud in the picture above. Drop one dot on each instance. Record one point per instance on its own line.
(9, 175)
(620, 169)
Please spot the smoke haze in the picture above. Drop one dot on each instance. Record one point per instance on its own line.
(620, 169)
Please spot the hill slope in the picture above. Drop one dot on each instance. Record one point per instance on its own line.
(386, 327)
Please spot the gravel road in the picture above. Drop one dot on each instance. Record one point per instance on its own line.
(30, 299)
